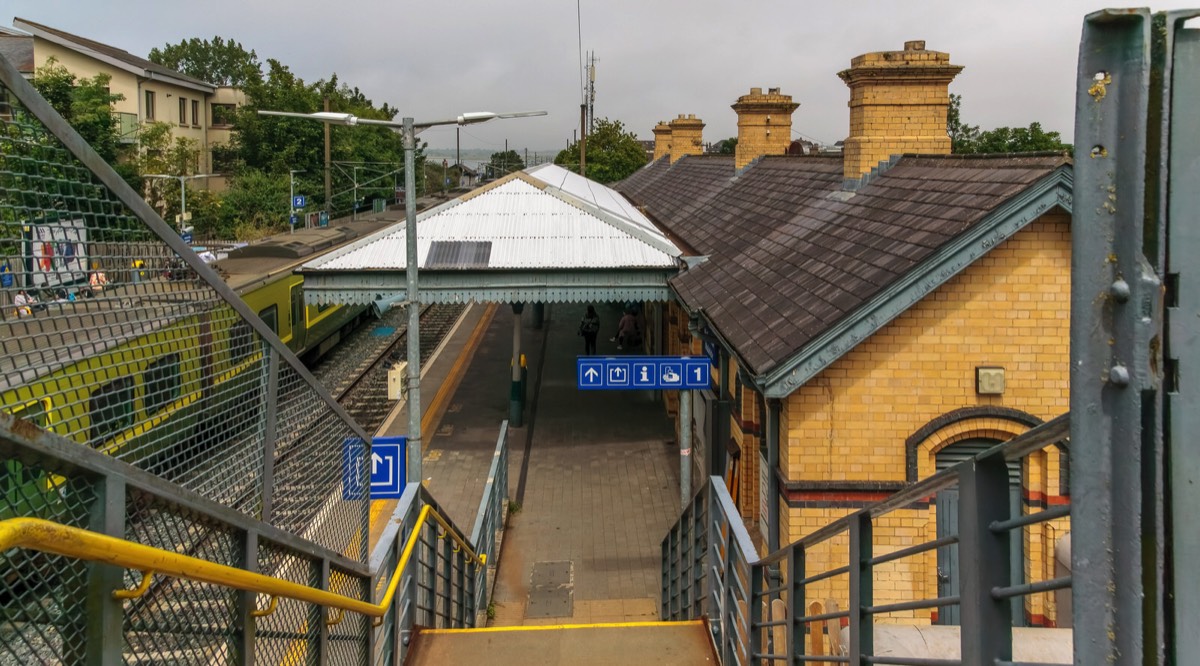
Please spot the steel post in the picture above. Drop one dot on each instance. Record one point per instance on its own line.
(862, 635)
(685, 447)
(415, 444)
(270, 427)
(516, 395)
(246, 622)
(104, 637)
(986, 633)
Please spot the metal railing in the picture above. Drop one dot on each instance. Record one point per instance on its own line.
(446, 585)
(187, 466)
(758, 608)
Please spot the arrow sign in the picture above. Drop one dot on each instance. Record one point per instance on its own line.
(387, 475)
(642, 372)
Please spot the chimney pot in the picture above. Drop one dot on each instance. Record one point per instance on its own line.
(773, 91)
(915, 45)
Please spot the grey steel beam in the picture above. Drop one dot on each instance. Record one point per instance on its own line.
(862, 634)
(1116, 327)
(1181, 137)
(104, 636)
(270, 426)
(986, 632)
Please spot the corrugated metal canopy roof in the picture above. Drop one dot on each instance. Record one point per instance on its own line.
(543, 235)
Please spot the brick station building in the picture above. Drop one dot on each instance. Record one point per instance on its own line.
(873, 316)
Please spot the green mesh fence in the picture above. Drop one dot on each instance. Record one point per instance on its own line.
(116, 338)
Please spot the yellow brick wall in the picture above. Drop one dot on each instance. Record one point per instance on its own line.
(764, 125)
(662, 140)
(687, 136)
(898, 104)
(850, 423)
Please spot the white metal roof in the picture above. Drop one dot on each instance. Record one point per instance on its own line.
(531, 232)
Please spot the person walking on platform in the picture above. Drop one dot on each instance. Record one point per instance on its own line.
(589, 327)
(627, 331)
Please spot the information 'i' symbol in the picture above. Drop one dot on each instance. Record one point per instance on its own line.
(645, 374)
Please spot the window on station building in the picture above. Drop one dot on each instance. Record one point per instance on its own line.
(195, 113)
(222, 115)
(182, 110)
(149, 105)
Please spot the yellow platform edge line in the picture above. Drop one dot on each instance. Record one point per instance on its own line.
(552, 627)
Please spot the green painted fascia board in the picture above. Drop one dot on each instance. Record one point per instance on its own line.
(945, 263)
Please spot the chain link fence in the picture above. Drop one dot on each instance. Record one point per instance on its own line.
(116, 339)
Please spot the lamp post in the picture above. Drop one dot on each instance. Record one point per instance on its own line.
(408, 129)
(182, 192)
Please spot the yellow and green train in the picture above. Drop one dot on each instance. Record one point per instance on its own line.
(154, 366)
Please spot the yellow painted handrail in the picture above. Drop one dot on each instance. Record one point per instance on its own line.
(49, 537)
(138, 591)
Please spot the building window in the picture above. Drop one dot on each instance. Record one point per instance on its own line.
(222, 115)
(182, 110)
(196, 113)
(149, 105)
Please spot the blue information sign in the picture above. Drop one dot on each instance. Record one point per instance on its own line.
(387, 468)
(598, 373)
(295, 219)
(299, 201)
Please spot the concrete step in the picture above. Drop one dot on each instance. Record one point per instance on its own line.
(663, 643)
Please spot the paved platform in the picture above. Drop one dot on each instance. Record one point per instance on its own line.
(674, 643)
(595, 474)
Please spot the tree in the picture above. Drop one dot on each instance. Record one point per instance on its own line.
(84, 103)
(612, 153)
(504, 163)
(727, 146)
(967, 139)
(219, 62)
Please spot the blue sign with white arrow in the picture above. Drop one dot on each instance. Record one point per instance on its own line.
(596, 373)
(387, 468)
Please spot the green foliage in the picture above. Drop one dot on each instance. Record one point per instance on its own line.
(727, 146)
(84, 103)
(504, 163)
(612, 153)
(219, 62)
(255, 205)
(968, 139)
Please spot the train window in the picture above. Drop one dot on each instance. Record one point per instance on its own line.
(241, 341)
(111, 409)
(160, 383)
(34, 412)
(270, 317)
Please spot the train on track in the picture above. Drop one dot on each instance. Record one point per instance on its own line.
(136, 370)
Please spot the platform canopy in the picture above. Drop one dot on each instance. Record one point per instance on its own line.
(539, 235)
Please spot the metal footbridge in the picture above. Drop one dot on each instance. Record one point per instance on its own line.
(172, 485)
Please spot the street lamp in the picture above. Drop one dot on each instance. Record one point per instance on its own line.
(408, 131)
(182, 192)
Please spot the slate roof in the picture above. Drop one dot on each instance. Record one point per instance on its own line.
(148, 68)
(18, 49)
(679, 191)
(792, 254)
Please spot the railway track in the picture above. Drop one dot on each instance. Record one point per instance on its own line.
(357, 376)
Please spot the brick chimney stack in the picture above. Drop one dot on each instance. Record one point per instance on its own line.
(898, 104)
(662, 140)
(764, 125)
(687, 133)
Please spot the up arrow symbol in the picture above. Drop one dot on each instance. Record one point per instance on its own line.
(591, 374)
(376, 461)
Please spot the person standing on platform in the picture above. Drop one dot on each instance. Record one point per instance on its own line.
(589, 327)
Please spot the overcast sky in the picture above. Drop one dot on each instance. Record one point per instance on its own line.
(655, 58)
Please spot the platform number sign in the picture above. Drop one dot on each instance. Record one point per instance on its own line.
(616, 373)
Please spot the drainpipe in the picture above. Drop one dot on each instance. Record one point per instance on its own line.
(773, 412)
